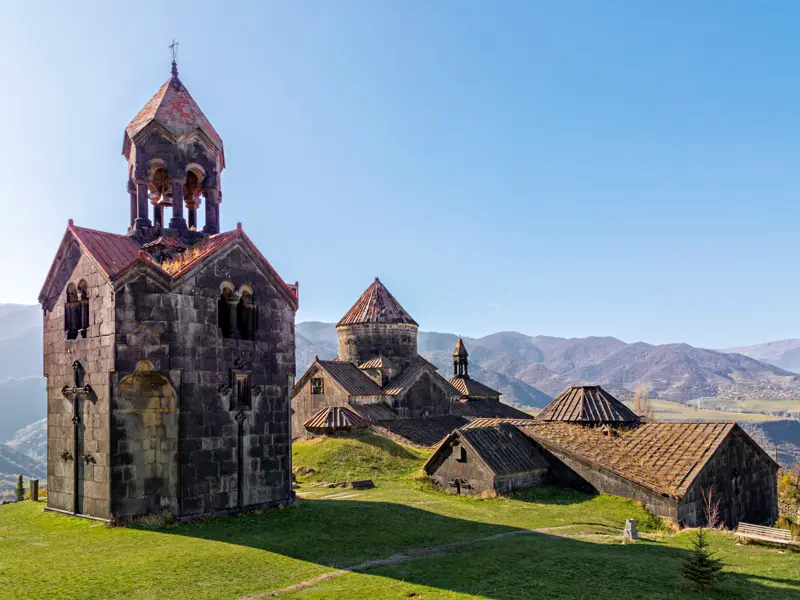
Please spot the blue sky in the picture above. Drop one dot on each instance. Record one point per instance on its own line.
(625, 168)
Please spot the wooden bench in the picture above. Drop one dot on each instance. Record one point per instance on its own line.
(765, 534)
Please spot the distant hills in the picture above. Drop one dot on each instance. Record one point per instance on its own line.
(530, 370)
(783, 353)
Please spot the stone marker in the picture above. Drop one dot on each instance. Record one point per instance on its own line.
(630, 534)
(35, 490)
(364, 484)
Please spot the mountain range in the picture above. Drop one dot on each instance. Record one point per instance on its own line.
(530, 370)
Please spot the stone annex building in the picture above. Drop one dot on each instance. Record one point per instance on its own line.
(169, 350)
(586, 439)
(379, 381)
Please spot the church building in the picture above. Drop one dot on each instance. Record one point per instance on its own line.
(169, 349)
(380, 381)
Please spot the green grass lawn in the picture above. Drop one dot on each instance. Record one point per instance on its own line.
(578, 554)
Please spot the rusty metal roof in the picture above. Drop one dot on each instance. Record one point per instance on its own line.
(376, 305)
(335, 418)
(503, 448)
(665, 457)
(111, 252)
(378, 362)
(166, 242)
(173, 107)
(351, 379)
(460, 350)
(470, 388)
(487, 409)
(425, 432)
(114, 254)
(587, 404)
(491, 422)
(373, 412)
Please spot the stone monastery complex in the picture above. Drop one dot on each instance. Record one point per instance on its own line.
(169, 353)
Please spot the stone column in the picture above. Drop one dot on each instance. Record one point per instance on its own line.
(142, 200)
(158, 216)
(233, 305)
(177, 221)
(212, 223)
(132, 194)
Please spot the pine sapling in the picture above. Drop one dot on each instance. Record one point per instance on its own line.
(700, 568)
(20, 491)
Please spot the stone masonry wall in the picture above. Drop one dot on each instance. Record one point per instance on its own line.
(397, 342)
(573, 472)
(179, 333)
(428, 395)
(305, 404)
(96, 354)
(742, 479)
(451, 467)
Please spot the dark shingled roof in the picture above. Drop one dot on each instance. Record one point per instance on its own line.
(487, 409)
(373, 412)
(502, 447)
(587, 404)
(472, 388)
(376, 305)
(352, 380)
(460, 349)
(408, 377)
(335, 418)
(425, 432)
(662, 456)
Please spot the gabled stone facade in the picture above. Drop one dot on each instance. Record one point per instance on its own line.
(169, 351)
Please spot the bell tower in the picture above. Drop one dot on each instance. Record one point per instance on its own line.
(175, 158)
(460, 360)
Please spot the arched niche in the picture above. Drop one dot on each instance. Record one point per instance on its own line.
(145, 440)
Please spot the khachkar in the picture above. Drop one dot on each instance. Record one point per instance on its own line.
(169, 351)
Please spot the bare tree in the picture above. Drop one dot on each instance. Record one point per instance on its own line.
(641, 403)
(710, 508)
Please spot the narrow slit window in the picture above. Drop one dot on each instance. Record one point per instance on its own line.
(317, 387)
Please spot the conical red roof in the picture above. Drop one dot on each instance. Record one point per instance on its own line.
(175, 109)
(376, 305)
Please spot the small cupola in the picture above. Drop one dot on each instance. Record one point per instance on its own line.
(460, 360)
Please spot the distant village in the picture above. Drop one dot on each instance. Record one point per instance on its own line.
(169, 353)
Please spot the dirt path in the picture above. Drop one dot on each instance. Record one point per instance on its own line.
(399, 558)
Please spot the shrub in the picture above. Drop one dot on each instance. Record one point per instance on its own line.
(789, 491)
(20, 491)
(700, 568)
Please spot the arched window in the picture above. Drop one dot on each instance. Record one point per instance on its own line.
(83, 299)
(246, 316)
(224, 313)
(71, 312)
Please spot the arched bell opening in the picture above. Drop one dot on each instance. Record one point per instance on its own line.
(193, 194)
(160, 192)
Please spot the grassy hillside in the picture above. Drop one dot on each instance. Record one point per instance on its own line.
(361, 456)
(545, 543)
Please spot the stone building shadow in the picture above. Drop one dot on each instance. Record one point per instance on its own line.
(341, 534)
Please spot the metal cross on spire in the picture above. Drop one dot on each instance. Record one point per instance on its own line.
(173, 48)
